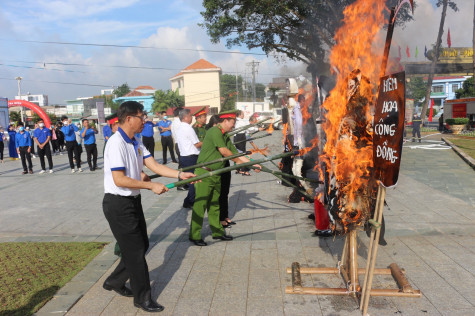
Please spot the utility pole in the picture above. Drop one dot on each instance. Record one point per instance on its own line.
(19, 95)
(254, 65)
(237, 86)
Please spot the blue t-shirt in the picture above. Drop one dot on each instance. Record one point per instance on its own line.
(89, 137)
(22, 140)
(107, 132)
(68, 132)
(165, 124)
(148, 129)
(41, 134)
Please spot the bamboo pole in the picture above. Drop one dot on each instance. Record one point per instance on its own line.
(277, 173)
(251, 139)
(401, 280)
(353, 268)
(328, 270)
(379, 211)
(240, 129)
(343, 291)
(231, 168)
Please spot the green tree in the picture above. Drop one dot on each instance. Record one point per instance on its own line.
(53, 118)
(416, 89)
(260, 91)
(273, 96)
(302, 30)
(444, 4)
(121, 90)
(167, 99)
(228, 91)
(15, 116)
(467, 89)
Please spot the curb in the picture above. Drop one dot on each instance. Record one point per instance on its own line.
(74, 290)
(469, 160)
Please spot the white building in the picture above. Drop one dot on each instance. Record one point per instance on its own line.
(38, 99)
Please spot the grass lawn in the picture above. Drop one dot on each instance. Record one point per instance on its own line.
(32, 272)
(466, 143)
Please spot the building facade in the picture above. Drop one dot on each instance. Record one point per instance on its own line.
(141, 94)
(38, 99)
(199, 84)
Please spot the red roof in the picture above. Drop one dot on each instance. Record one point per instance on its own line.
(134, 94)
(144, 88)
(200, 64)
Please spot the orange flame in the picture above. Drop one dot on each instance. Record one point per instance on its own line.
(270, 129)
(348, 152)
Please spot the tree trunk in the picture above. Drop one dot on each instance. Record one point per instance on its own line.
(473, 45)
(434, 60)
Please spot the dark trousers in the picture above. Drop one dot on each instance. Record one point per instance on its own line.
(72, 148)
(91, 150)
(178, 154)
(167, 144)
(223, 197)
(149, 143)
(25, 155)
(1, 150)
(127, 223)
(241, 147)
(55, 145)
(187, 161)
(32, 150)
(418, 132)
(42, 152)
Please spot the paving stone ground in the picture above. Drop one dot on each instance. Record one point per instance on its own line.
(429, 229)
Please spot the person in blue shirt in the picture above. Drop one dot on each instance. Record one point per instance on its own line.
(42, 137)
(147, 135)
(69, 130)
(107, 132)
(88, 133)
(2, 145)
(23, 147)
(164, 126)
(11, 143)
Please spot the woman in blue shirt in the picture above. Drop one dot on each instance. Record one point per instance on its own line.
(11, 143)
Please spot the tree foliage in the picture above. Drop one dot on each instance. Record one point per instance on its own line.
(467, 89)
(15, 116)
(228, 93)
(416, 89)
(53, 118)
(121, 90)
(302, 30)
(167, 99)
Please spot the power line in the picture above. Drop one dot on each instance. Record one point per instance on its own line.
(65, 83)
(134, 46)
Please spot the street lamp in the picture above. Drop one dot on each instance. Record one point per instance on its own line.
(19, 95)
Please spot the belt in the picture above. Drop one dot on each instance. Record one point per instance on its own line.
(130, 197)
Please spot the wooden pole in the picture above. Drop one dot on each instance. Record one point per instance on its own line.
(328, 270)
(370, 249)
(353, 268)
(372, 256)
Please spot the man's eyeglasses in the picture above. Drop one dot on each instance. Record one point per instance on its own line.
(142, 117)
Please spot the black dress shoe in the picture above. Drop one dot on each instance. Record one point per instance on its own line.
(323, 233)
(124, 291)
(231, 223)
(187, 206)
(150, 306)
(200, 242)
(224, 237)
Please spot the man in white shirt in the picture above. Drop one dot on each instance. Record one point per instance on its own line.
(175, 123)
(124, 158)
(189, 145)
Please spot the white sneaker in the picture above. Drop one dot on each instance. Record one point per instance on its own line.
(42, 171)
(79, 170)
(33, 156)
(61, 153)
(73, 171)
(51, 171)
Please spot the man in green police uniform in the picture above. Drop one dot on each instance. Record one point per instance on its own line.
(216, 144)
(199, 126)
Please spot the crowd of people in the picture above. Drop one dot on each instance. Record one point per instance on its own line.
(45, 142)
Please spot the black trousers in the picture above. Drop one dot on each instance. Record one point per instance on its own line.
(55, 145)
(167, 144)
(45, 151)
(149, 143)
(1, 150)
(91, 151)
(32, 150)
(187, 161)
(223, 197)
(178, 154)
(241, 147)
(25, 155)
(418, 132)
(73, 149)
(127, 223)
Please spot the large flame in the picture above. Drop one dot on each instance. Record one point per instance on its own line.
(349, 154)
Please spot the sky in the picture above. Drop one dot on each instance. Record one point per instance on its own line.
(168, 26)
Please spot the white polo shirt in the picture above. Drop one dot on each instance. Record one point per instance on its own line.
(175, 123)
(187, 140)
(123, 153)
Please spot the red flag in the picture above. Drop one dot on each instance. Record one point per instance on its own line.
(449, 42)
(431, 112)
(407, 52)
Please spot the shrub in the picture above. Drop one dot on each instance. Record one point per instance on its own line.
(457, 121)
